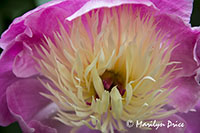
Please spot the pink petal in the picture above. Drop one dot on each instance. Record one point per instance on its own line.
(29, 29)
(40, 128)
(24, 65)
(93, 4)
(24, 126)
(8, 36)
(188, 90)
(26, 104)
(192, 119)
(180, 8)
(6, 79)
(20, 25)
(60, 127)
(186, 95)
(185, 37)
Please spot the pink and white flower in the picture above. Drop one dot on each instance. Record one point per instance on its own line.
(92, 65)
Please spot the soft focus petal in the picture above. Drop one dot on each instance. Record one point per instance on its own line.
(21, 26)
(6, 78)
(93, 4)
(181, 8)
(186, 95)
(188, 89)
(26, 104)
(29, 29)
(24, 65)
(192, 119)
(185, 37)
(11, 34)
(40, 128)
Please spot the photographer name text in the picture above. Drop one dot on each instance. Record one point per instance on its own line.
(155, 124)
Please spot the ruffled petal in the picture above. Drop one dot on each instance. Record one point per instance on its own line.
(9, 36)
(180, 8)
(29, 29)
(94, 4)
(187, 76)
(6, 78)
(184, 40)
(24, 126)
(27, 104)
(192, 119)
(40, 128)
(24, 65)
(24, 25)
(187, 94)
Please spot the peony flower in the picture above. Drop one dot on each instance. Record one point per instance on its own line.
(94, 65)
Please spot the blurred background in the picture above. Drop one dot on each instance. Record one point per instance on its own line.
(10, 9)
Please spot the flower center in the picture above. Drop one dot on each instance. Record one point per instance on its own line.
(108, 69)
(111, 79)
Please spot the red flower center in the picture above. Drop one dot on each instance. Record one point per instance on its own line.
(111, 79)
